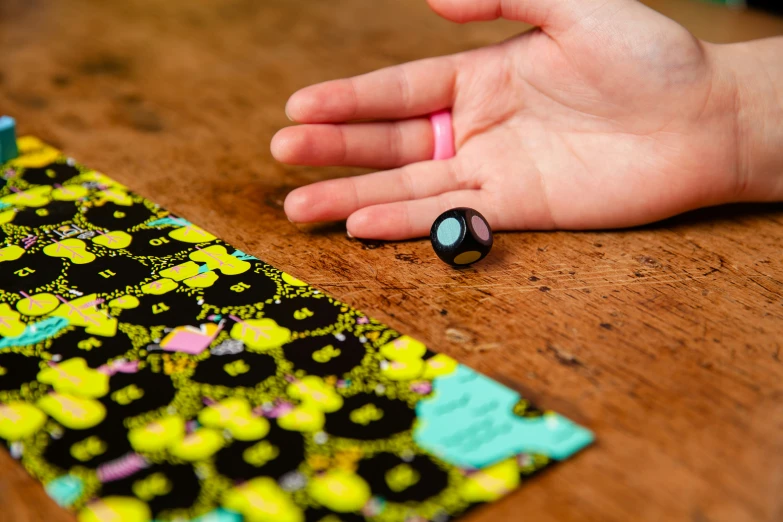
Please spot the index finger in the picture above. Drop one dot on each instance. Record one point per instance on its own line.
(402, 91)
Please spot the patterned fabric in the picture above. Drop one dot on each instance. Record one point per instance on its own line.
(150, 371)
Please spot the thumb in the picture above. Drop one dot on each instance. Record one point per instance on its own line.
(550, 15)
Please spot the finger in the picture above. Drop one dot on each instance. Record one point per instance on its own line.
(399, 92)
(374, 145)
(412, 219)
(337, 199)
(551, 15)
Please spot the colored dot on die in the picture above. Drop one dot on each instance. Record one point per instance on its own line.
(461, 236)
(449, 231)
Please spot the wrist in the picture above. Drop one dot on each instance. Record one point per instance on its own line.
(754, 73)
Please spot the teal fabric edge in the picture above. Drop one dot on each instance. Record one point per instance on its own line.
(169, 221)
(469, 422)
(8, 147)
(36, 332)
(65, 490)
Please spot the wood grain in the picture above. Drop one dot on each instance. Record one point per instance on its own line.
(665, 340)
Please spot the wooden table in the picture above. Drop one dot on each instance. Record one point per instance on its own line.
(665, 340)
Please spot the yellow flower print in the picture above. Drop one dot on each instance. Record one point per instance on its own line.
(405, 361)
(127, 395)
(157, 436)
(114, 239)
(260, 334)
(34, 153)
(36, 305)
(116, 509)
(315, 393)
(152, 486)
(101, 179)
(69, 193)
(403, 370)
(116, 194)
(76, 378)
(302, 418)
(438, 366)
(88, 448)
(11, 253)
(125, 302)
(181, 271)
(204, 280)
(236, 416)
(169, 434)
(291, 280)
(366, 414)
(191, 234)
(159, 287)
(261, 453)
(237, 367)
(84, 312)
(10, 325)
(339, 490)
(73, 412)
(262, 500)
(19, 420)
(401, 477)
(74, 250)
(403, 349)
(34, 197)
(199, 445)
(217, 258)
(491, 483)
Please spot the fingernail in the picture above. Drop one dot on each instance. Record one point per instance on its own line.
(288, 115)
(347, 233)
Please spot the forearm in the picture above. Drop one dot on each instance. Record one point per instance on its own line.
(757, 70)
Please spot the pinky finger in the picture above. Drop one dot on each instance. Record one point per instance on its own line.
(412, 219)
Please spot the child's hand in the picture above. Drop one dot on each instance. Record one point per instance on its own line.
(610, 115)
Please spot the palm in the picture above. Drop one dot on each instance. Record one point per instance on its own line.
(587, 128)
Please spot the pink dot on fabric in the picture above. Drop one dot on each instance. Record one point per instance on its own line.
(480, 228)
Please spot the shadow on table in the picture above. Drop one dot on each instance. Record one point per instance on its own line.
(734, 213)
(724, 213)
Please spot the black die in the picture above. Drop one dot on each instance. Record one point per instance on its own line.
(461, 236)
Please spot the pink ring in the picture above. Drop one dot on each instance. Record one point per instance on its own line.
(444, 135)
